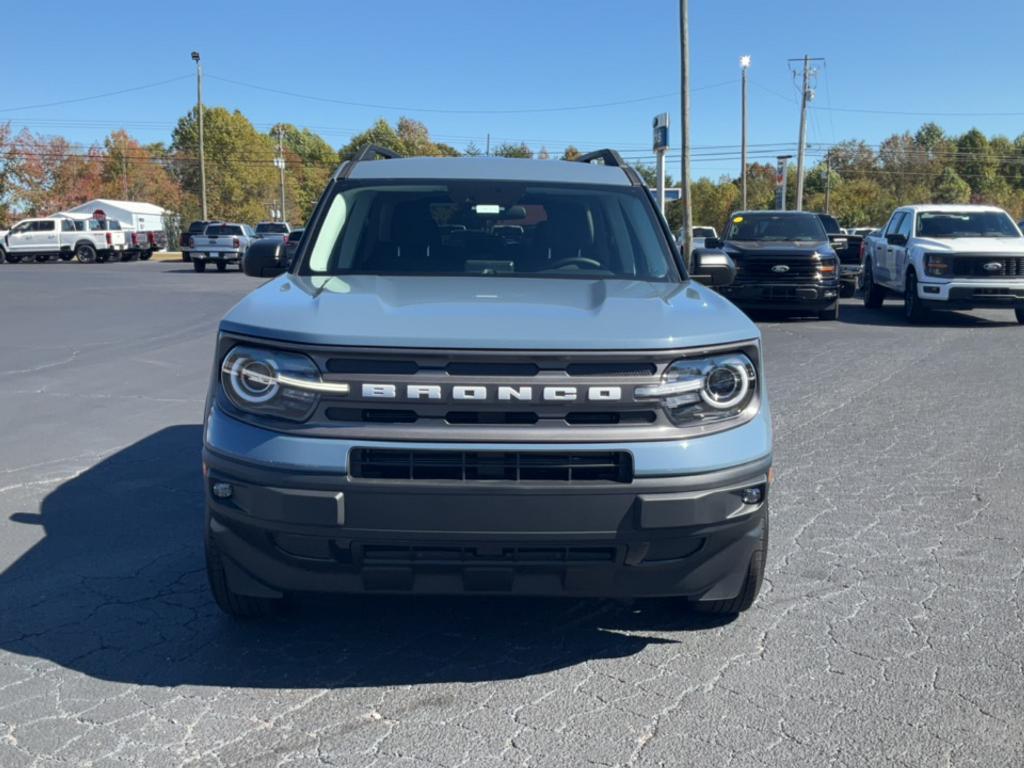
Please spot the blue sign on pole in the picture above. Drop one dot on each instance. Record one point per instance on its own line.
(661, 131)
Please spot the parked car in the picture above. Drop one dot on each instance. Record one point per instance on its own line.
(783, 260)
(567, 413)
(265, 228)
(291, 243)
(195, 228)
(220, 244)
(946, 257)
(63, 237)
(847, 247)
(142, 223)
(700, 234)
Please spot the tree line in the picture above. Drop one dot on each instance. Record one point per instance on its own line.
(40, 175)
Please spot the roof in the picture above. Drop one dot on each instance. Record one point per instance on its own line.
(125, 205)
(774, 213)
(949, 208)
(490, 168)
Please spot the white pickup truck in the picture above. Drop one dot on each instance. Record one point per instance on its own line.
(220, 244)
(65, 236)
(946, 257)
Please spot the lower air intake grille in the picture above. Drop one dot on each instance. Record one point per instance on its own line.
(508, 466)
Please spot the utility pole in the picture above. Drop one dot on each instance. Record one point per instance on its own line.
(488, 150)
(199, 110)
(828, 178)
(280, 164)
(744, 66)
(124, 164)
(684, 60)
(660, 148)
(806, 96)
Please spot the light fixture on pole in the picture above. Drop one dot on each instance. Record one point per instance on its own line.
(744, 66)
(199, 112)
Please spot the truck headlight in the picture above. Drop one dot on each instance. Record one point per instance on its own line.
(705, 390)
(936, 265)
(271, 383)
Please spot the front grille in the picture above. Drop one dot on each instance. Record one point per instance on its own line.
(529, 418)
(507, 466)
(426, 554)
(761, 269)
(974, 266)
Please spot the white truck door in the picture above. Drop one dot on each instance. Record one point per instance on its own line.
(45, 235)
(900, 252)
(19, 239)
(887, 257)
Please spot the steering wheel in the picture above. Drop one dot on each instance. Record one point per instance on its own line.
(579, 260)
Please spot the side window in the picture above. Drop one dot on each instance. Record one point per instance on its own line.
(895, 222)
(95, 225)
(905, 225)
(67, 226)
(46, 226)
(24, 226)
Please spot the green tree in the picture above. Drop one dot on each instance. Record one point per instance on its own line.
(975, 162)
(409, 138)
(570, 153)
(309, 161)
(507, 149)
(241, 180)
(951, 188)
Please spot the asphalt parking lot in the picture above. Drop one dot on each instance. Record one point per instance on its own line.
(890, 631)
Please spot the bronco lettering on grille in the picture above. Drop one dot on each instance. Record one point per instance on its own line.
(374, 391)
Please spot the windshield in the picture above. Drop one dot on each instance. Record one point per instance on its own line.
(703, 231)
(772, 227)
(223, 229)
(272, 227)
(952, 224)
(497, 228)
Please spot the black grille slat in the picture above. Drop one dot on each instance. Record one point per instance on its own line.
(491, 369)
(511, 466)
(758, 269)
(504, 554)
(356, 365)
(974, 266)
(611, 369)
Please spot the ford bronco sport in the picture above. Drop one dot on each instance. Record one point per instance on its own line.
(485, 375)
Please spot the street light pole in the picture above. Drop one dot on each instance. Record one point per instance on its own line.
(744, 66)
(280, 153)
(199, 111)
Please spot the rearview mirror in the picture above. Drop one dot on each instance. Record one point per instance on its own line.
(713, 268)
(712, 242)
(896, 239)
(266, 257)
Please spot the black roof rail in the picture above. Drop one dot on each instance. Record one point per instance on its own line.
(614, 159)
(369, 152)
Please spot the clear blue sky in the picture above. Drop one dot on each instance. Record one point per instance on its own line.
(911, 56)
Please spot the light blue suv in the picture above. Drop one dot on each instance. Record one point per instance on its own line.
(486, 375)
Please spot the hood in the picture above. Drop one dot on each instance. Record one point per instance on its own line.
(776, 247)
(488, 313)
(980, 245)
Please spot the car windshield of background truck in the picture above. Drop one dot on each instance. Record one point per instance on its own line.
(779, 227)
(493, 228)
(953, 224)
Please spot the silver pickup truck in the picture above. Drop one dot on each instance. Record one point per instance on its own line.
(221, 244)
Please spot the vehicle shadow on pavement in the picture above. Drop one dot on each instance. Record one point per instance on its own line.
(116, 589)
(891, 314)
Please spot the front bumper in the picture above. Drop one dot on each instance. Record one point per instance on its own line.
(970, 294)
(686, 533)
(812, 296)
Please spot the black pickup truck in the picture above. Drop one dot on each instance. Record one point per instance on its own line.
(783, 261)
(847, 248)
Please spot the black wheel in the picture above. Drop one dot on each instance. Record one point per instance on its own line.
(832, 313)
(914, 309)
(847, 289)
(751, 584)
(144, 255)
(85, 254)
(12, 258)
(874, 294)
(4, 257)
(186, 256)
(128, 256)
(1019, 312)
(233, 604)
(222, 266)
(41, 258)
(199, 266)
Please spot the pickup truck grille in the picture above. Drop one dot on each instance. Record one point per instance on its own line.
(761, 269)
(508, 466)
(974, 266)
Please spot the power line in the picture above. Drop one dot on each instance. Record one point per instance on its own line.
(97, 96)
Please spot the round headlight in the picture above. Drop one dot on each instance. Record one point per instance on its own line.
(725, 386)
(255, 381)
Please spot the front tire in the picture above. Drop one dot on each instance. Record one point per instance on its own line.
(12, 258)
(874, 294)
(199, 266)
(85, 253)
(914, 309)
(751, 584)
(233, 604)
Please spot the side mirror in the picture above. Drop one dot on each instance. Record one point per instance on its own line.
(713, 268)
(896, 239)
(266, 257)
(712, 242)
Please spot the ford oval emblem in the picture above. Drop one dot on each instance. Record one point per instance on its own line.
(785, 268)
(993, 266)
